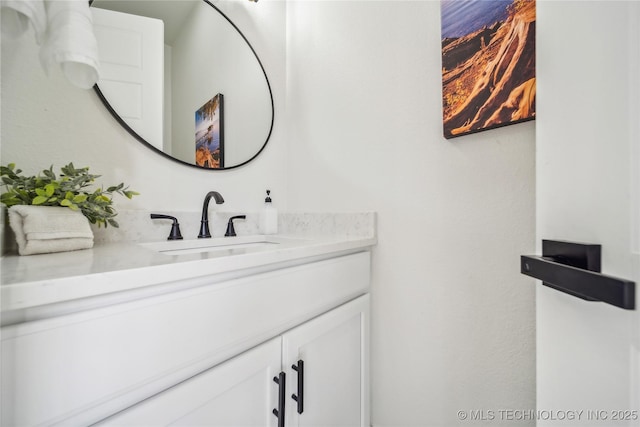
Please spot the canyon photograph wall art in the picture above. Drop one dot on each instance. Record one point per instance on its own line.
(488, 64)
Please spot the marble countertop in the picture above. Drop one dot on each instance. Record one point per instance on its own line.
(115, 268)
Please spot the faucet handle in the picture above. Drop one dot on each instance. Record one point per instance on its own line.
(231, 232)
(175, 227)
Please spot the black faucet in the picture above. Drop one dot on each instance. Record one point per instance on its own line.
(175, 228)
(204, 222)
(231, 231)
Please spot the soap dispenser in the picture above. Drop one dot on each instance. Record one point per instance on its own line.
(269, 216)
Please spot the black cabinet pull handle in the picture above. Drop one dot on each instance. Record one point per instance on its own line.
(279, 412)
(574, 268)
(299, 398)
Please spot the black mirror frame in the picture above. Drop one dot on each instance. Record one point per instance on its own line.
(162, 153)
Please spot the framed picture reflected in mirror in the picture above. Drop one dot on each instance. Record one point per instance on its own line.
(209, 133)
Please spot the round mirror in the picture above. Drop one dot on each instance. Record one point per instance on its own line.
(183, 79)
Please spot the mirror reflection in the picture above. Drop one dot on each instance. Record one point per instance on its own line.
(183, 79)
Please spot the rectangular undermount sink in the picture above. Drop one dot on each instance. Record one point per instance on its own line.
(230, 245)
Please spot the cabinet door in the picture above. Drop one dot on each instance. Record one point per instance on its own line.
(239, 392)
(334, 349)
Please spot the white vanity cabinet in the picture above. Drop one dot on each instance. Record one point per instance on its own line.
(332, 348)
(205, 354)
(331, 354)
(238, 392)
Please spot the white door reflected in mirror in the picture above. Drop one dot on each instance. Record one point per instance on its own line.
(131, 50)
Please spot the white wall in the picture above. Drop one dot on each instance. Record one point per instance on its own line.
(453, 320)
(47, 121)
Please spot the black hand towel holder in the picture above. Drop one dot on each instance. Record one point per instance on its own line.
(574, 268)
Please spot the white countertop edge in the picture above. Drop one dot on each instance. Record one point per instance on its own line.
(167, 270)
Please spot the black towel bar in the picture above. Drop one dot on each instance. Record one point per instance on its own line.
(574, 268)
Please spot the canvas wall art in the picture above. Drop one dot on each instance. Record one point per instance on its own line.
(488, 64)
(210, 134)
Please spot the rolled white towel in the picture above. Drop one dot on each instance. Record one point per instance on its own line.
(46, 229)
(71, 42)
(17, 14)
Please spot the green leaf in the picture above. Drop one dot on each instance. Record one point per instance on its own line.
(39, 200)
(49, 173)
(69, 204)
(79, 198)
(9, 199)
(49, 189)
(68, 169)
(113, 222)
(41, 192)
(6, 196)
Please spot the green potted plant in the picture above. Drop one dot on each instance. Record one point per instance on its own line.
(70, 189)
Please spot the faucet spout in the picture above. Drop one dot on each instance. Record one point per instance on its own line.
(204, 221)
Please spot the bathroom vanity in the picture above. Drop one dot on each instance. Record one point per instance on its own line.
(126, 334)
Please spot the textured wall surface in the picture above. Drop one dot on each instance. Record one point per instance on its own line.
(453, 320)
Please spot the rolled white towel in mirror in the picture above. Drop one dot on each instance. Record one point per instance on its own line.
(47, 229)
(17, 14)
(71, 42)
